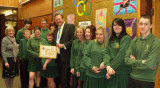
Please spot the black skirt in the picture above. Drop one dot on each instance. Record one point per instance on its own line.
(12, 71)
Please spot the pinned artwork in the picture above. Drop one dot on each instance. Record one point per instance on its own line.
(125, 6)
(107, 31)
(59, 11)
(70, 18)
(131, 27)
(58, 3)
(101, 18)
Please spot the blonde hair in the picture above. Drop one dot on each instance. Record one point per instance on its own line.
(43, 19)
(27, 31)
(50, 32)
(8, 29)
(105, 35)
(81, 27)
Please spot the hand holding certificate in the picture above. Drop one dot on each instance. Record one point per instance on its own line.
(48, 52)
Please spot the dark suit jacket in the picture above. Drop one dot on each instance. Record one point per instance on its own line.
(66, 38)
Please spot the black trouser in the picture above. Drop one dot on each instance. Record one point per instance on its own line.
(24, 74)
(132, 83)
(64, 73)
(74, 81)
(43, 82)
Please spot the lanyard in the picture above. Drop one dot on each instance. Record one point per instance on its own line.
(60, 32)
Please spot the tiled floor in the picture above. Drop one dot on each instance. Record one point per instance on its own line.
(16, 83)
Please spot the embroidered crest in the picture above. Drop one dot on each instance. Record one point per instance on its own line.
(147, 48)
(117, 45)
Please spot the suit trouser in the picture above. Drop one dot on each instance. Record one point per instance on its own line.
(133, 83)
(24, 74)
(64, 73)
(74, 81)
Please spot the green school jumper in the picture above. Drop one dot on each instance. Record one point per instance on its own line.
(23, 49)
(44, 33)
(33, 46)
(81, 67)
(20, 35)
(94, 57)
(144, 49)
(74, 55)
(114, 57)
(51, 69)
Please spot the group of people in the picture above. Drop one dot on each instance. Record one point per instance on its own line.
(89, 54)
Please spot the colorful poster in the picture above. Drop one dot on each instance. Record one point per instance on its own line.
(107, 31)
(58, 3)
(59, 11)
(70, 18)
(101, 18)
(131, 27)
(125, 6)
(48, 51)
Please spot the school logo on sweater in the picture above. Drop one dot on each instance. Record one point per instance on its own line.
(147, 48)
(117, 45)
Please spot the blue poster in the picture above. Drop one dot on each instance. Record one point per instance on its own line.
(125, 6)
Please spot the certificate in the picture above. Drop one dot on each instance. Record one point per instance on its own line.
(48, 52)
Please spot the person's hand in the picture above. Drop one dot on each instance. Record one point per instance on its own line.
(132, 57)
(143, 61)
(60, 45)
(72, 71)
(7, 65)
(44, 67)
(108, 76)
(110, 71)
(96, 69)
(102, 65)
(78, 74)
(154, 67)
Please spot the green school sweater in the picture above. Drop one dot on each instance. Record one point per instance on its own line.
(74, 53)
(33, 46)
(52, 63)
(20, 35)
(44, 33)
(81, 64)
(115, 55)
(23, 49)
(93, 56)
(144, 49)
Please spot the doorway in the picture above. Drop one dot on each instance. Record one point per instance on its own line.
(8, 17)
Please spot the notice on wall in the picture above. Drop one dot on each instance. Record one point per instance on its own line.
(85, 23)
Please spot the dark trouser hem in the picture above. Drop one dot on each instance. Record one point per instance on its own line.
(24, 74)
(133, 83)
(74, 81)
(64, 73)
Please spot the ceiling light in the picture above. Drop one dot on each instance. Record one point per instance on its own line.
(8, 13)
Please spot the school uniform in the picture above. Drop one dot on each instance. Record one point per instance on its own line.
(94, 57)
(114, 57)
(24, 74)
(51, 69)
(20, 35)
(33, 46)
(74, 61)
(143, 49)
(44, 33)
(81, 66)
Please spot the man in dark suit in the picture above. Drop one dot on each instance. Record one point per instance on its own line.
(62, 38)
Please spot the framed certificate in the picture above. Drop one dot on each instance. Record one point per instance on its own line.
(48, 52)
